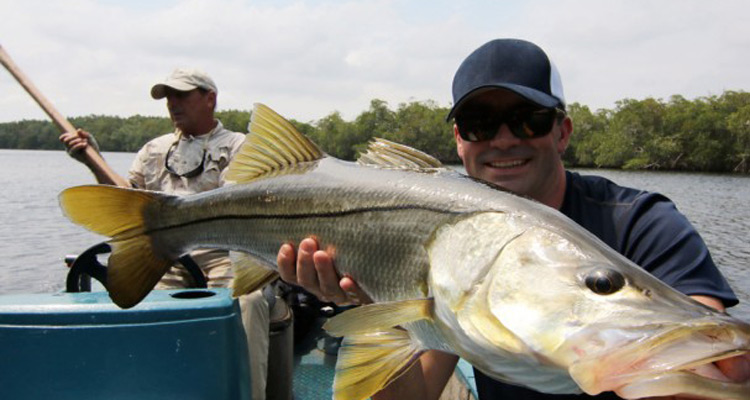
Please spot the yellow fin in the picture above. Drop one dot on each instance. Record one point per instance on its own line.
(273, 146)
(107, 210)
(369, 362)
(134, 267)
(250, 274)
(133, 270)
(384, 153)
(379, 316)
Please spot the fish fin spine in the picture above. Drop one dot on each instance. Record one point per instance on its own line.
(272, 147)
(386, 154)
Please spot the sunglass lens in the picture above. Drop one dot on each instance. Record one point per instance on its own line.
(477, 129)
(532, 124)
(524, 124)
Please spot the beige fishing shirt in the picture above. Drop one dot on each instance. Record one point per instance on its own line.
(148, 171)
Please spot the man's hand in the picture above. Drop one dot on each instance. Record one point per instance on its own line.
(313, 270)
(76, 143)
(735, 369)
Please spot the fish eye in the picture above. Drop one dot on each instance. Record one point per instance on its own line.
(604, 281)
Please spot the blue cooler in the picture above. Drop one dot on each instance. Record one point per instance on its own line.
(175, 344)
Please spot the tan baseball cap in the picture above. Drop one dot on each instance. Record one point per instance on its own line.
(184, 80)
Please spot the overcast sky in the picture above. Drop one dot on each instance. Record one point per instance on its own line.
(307, 59)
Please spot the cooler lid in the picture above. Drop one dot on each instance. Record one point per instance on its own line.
(96, 308)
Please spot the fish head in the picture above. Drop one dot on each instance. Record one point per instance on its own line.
(554, 297)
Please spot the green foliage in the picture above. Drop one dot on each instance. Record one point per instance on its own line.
(704, 134)
(234, 120)
(422, 125)
(739, 127)
(589, 130)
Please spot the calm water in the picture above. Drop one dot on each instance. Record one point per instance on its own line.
(35, 237)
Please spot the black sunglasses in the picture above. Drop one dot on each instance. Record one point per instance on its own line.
(524, 124)
(190, 174)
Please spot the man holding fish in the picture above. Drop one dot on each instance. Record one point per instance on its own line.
(511, 129)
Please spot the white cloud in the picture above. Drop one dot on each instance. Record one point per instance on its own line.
(309, 58)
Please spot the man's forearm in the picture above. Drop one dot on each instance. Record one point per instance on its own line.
(426, 378)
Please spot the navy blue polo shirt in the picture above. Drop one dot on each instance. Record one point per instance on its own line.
(644, 227)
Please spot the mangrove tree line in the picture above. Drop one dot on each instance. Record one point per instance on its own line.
(709, 134)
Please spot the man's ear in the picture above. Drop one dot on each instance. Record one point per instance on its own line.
(212, 100)
(566, 130)
(459, 142)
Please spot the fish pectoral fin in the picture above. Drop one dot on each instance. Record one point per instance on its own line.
(379, 316)
(272, 147)
(250, 273)
(483, 323)
(133, 270)
(369, 362)
(387, 154)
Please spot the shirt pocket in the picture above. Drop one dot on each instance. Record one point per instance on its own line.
(153, 171)
(217, 160)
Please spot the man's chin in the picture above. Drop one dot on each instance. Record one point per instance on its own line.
(510, 179)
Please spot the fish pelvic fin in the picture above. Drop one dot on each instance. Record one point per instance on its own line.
(134, 266)
(250, 274)
(272, 147)
(386, 154)
(379, 316)
(369, 362)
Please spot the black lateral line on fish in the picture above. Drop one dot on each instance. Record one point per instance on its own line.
(309, 216)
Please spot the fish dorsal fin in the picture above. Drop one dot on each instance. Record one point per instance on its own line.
(387, 154)
(273, 146)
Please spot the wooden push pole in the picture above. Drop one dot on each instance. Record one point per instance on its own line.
(98, 166)
(57, 118)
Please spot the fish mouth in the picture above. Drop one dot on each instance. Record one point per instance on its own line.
(700, 378)
(678, 361)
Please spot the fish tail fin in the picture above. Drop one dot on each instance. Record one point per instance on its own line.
(134, 266)
(134, 269)
(250, 274)
(369, 362)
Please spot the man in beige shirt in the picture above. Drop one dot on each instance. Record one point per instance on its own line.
(190, 160)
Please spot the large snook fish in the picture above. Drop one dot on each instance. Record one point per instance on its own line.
(512, 286)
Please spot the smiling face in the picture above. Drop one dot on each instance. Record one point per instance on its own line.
(530, 167)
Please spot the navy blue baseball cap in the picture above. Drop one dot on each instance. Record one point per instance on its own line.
(513, 64)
